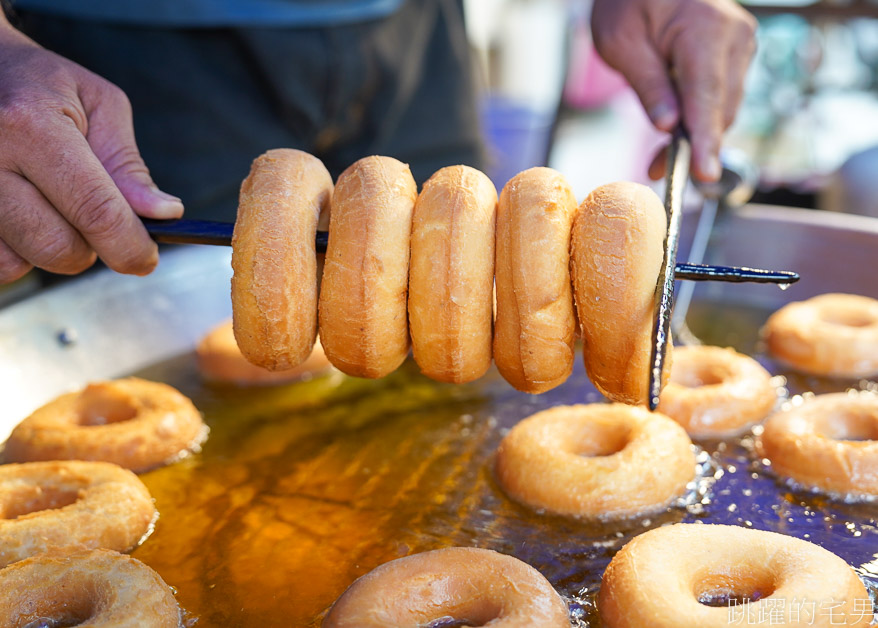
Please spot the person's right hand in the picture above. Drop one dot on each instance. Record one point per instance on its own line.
(72, 181)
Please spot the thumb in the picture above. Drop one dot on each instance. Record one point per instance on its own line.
(111, 137)
(648, 74)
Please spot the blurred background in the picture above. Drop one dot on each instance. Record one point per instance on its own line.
(808, 122)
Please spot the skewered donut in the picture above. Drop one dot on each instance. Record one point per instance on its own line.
(830, 334)
(274, 286)
(451, 281)
(220, 360)
(535, 324)
(85, 588)
(363, 322)
(459, 586)
(617, 250)
(130, 422)
(706, 572)
(829, 443)
(716, 392)
(46, 505)
(595, 461)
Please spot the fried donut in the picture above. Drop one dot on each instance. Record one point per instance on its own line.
(698, 576)
(831, 334)
(363, 321)
(535, 324)
(595, 461)
(829, 443)
(66, 504)
(85, 588)
(451, 280)
(220, 360)
(131, 422)
(716, 392)
(274, 286)
(617, 248)
(460, 586)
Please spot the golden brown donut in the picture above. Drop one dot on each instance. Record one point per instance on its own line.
(130, 422)
(617, 249)
(274, 286)
(715, 392)
(363, 322)
(462, 586)
(96, 588)
(664, 578)
(533, 331)
(220, 360)
(71, 503)
(831, 334)
(451, 280)
(828, 442)
(596, 461)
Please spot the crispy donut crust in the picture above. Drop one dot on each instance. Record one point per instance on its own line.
(130, 422)
(363, 320)
(598, 461)
(477, 586)
(835, 335)
(715, 392)
(220, 360)
(617, 249)
(85, 588)
(829, 443)
(657, 578)
(535, 324)
(46, 505)
(274, 286)
(451, 279)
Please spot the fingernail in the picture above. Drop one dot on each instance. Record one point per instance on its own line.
(168, 205)
(711, 167)
(663, 115)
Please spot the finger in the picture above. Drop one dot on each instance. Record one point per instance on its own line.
(37, 232)
(702, 89)
(659, 163)
(111, 137)
(12, 266)
(75, 182)
(739, 62)
(648, 74)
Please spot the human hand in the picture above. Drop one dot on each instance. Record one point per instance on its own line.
(72, 181)
(685, 59)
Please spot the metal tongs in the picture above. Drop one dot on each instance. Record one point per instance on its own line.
(678, 159)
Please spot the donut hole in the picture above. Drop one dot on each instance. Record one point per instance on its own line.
(736, 585)
(102, 404)
(77, 606)
(482, 614)
(701, 374)
(849, 425)
(601, 439)
(846, 317)
(30, 499)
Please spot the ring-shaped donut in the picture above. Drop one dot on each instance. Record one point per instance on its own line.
(713, 576)
(617, 249)
(85, 588)
(451, 279)
(274, 286)
(46, 505)
(596, 461)
(715, 392)
(221, 361)
(535, 323)
(829, 443)
(130, 422)
(459, 586)
(834, 335)
(363, 319)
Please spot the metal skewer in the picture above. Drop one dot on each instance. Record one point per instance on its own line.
(220, 234)
(679, 155)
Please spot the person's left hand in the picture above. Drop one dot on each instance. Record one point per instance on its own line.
(685, 59)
